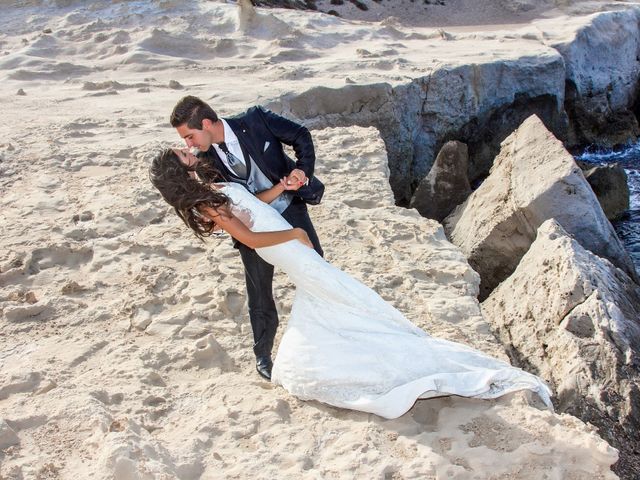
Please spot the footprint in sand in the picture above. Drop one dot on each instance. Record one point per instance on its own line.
(22, 313)
(8, 437)
(57, 256)
(426, 414)
(103, 397)
(233, 303)
(90, 352)
(496, 434)
(107, 85)
(154, 401)
(24, 382)
(153, 379)
(361, 203)
(82, 217)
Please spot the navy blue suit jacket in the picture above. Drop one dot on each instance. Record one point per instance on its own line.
(261, 134)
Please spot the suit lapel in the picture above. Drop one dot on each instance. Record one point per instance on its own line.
(248, 145)
(211, 156)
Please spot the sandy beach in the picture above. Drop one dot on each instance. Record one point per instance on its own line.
(125, 347)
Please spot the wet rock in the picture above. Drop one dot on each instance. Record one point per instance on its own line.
(293, 4)
(609, 183)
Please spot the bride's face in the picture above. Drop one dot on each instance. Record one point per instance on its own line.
(186, 156)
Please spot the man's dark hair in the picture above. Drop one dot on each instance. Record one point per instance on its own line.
(191, 111)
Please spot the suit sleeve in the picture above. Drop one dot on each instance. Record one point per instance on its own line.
(295, 135)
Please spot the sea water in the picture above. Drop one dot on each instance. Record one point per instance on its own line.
(628, 227)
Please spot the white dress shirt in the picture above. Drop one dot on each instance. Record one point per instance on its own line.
(232, 144)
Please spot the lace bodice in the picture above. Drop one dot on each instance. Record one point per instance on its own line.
(254, 213)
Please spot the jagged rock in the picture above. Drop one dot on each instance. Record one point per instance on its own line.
(573, 318)
(447, 184)
(609, 183)
(533, 179)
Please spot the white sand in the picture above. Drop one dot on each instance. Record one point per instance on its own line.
(125, 347)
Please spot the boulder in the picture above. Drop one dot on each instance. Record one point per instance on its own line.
(532, 180)
(609, 183)
(574, 319)
(446, 185)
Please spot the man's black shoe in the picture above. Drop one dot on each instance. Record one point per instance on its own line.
(264, 366)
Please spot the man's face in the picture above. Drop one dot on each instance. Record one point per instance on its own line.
(201, 139)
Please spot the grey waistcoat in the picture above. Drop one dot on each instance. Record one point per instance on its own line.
(258, 182)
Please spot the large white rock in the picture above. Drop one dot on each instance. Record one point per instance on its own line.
(600, 55)
(573, 318)
(533, 179)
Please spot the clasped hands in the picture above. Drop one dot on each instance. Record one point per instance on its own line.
(296, 179)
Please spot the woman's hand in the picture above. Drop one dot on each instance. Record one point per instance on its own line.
(290, 183)
(302, 236)
(238, 230)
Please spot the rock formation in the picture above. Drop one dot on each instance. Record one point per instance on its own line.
(478, 104)
(533, 179)
(447, 184)
(574, 318)
(609, 183)
(602, 68)
(580, 80)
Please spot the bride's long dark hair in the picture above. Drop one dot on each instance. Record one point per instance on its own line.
(187, 194)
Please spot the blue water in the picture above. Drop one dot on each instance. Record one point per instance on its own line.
(628, 227)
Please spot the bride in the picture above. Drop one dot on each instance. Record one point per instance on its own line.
(343, 344)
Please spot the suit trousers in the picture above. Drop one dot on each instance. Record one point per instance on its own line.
(259, 281)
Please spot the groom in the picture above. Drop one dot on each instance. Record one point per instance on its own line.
(247, 149)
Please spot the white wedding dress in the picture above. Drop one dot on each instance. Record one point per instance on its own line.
(345, 346)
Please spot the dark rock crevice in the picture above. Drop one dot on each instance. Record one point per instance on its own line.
(601, 126)
(484, 135)
(291, 4)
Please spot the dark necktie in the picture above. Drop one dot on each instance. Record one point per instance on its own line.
(236, 165)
